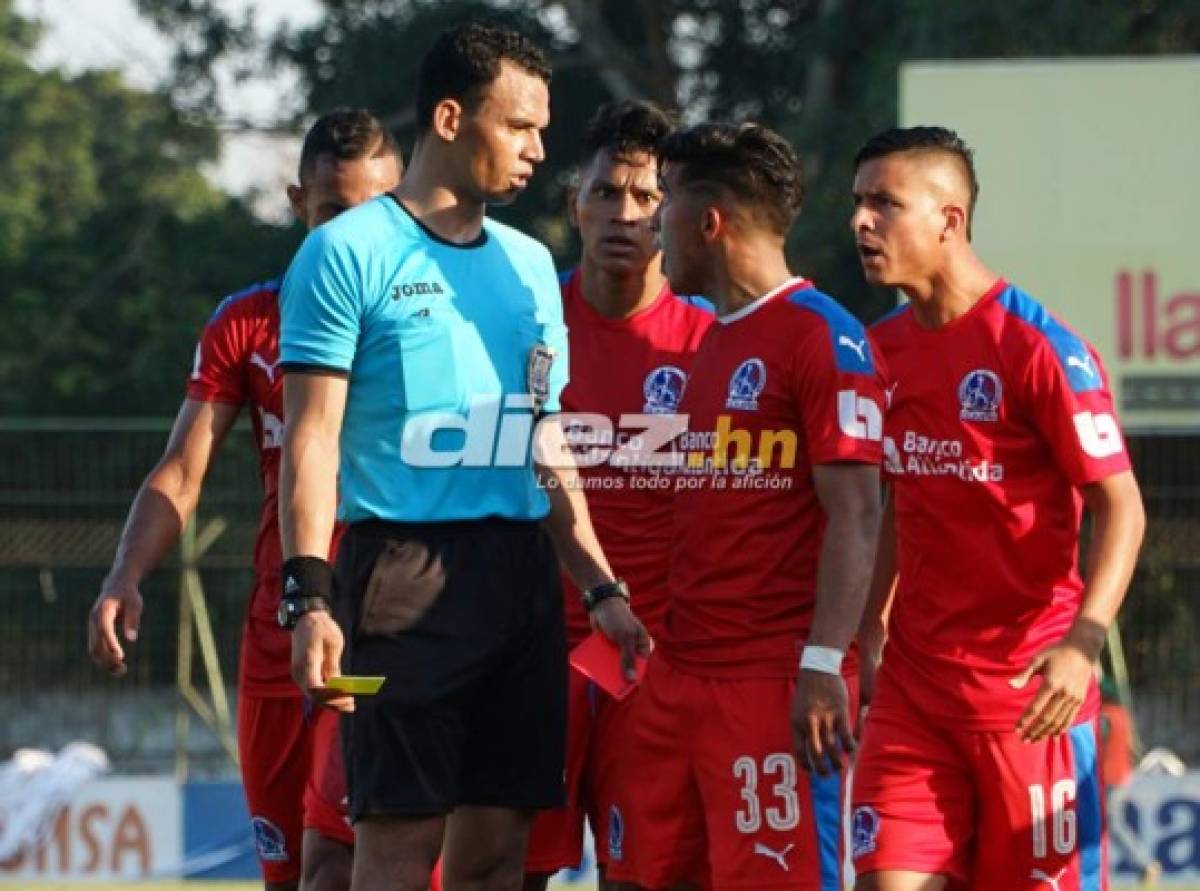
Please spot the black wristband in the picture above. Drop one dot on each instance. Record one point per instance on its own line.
(307, 577)
(593, 597)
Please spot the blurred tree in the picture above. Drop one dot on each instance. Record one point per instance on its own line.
(824, 72)
(113, 247)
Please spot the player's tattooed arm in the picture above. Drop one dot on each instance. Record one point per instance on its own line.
(161, 509)
(569, 526)
(872, 631)
(849, 496)
(1067, 667)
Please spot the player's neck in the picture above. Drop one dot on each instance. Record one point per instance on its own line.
(951, 293)
(620, 296)
(747, 279)
(431, 197)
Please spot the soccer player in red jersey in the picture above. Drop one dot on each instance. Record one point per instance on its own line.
(978, 764)
(291, 764)
(776, 515)
(631, 345)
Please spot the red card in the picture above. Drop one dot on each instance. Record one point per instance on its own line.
(599, 660)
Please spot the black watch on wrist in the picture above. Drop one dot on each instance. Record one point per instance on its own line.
(307, 587)
(292, 608)
(594, 596)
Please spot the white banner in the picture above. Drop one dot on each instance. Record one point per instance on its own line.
(1156, 818)
(115, 828)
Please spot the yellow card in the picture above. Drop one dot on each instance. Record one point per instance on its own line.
(356, 685)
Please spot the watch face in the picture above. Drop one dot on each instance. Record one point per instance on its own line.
(283, 615)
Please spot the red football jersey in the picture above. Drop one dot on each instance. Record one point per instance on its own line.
(236, 362)
(776, 388)
(994, 421)
(623, 367)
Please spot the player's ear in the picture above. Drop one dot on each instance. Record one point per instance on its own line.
(572, 197)
(447, 118)
(956, 223)
(712, 222)
(295, 195)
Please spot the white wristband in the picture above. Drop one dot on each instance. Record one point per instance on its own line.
(823, 659)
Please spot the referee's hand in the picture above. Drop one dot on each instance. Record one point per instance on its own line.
(616, 621)
(316, 656)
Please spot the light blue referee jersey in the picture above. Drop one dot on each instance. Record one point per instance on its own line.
(449, 348)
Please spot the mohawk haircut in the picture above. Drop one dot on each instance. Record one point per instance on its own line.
(626, 128)
(925, 140)
(346, 134)
(465, 59)
(751, 164)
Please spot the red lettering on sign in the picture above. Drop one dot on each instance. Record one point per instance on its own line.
(1148, 327)
(87, 829)
(131, 837)
(105, 846)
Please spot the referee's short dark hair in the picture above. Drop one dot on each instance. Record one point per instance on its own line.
(624, 128)
(931, 140)
(346, 134)
(465, 59)
(751, 165)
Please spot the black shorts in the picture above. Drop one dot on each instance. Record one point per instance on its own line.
(465, 620)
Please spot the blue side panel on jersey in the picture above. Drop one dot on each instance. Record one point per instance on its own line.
(850, 346)
(827, 815)
(1087, 805)
(565, 275)
(272, 285)
(1073, 354)
(698, 302)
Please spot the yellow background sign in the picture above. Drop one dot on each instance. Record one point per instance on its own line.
(1090, 201)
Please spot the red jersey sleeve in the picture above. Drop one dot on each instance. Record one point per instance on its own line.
(1067, 392)
(841, 409)
(218, 367)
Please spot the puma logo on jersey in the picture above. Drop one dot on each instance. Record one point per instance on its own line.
(1084, 364)
(777, 856)
(859, 346)
(1052, 881)
(267, 367)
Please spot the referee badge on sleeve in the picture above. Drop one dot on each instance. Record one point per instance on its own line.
(537, 374)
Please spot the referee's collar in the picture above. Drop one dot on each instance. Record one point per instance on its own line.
(478, 241)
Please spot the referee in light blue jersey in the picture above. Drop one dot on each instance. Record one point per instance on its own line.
(424, 350)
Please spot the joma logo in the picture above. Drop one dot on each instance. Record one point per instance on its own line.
(416, 289)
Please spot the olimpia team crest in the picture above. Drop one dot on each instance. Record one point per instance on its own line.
(663, 390)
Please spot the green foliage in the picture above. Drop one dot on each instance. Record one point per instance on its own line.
(113, 246)
(824, 72)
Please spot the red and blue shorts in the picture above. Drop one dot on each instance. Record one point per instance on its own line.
(711, 793)
(597, 745)
(989, 811)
